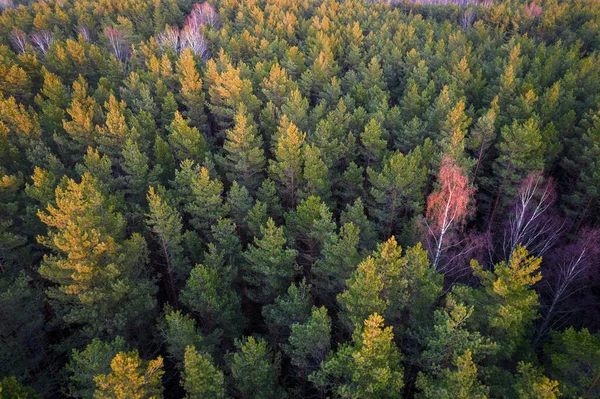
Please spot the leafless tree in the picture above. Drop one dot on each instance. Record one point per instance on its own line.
(203, 14)
(42, 40)
(118, 41)
(4, 4)
(84, 32)
(467, 18)
(529, 222)
(169, 39)
(194, 40)
(574, 262)
(19, 40)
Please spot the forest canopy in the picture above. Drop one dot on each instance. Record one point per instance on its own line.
(265, 199)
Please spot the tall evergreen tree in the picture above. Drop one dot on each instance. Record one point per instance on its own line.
(369, 366)
(397, 190)
(286, 168)
(244, 158)
(270, 265)
(201, 379)
(97, 273)
(130, 378)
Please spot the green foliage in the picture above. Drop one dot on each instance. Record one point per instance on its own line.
(532, 384)
(459, 381)
(575, 362)
(130, 378)
(11, 389)
(310, 341)
(179, 331)
(96, 271)
(201, 379)
(282, 147)
(397, 189)
(209, 296)
(290, 308)
(254, 370)
(368, 367)
(403, 288)
(186, 142)
(166, 225)
(94, 360)
(507, 299)
(244, 158)
(270, 266)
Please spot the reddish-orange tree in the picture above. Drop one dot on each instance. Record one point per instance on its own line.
(447, 208)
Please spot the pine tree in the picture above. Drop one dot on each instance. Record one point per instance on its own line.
(209, 296)
(355, 214)
(289, 308)
(166, 225)
(130, 378)
(254, 370)
(363, 296)
(506, 300)
(270, 266)
(201, 379)
(308, 226)
(315, 173)
(138, 175)
(453, 133)
(403, 288)
(227, 92)
(575, 361)
(80, 127)
(186, 142)
(310, 342)
(240, 204)
(244, 156)
(115, 132)
(450, 338)
(99, 166)
(370, 366)
(532, 384)
(94, 360)
(191, 88)
(521, 151)
(374, 143)
(11, 388)
(459, 382)
(482, 135)
(201, 195)
(397, 190)
(164, 159)
(340, 258)
(180, 331)
(96, 271)
(286, 168)
(278, 86)
(52, 100)
(583, 165)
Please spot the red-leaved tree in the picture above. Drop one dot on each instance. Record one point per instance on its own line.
(447, 209)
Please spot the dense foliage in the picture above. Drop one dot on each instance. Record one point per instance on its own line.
(299, 198)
